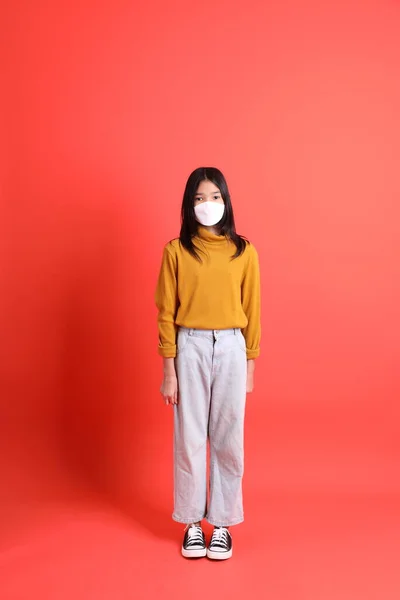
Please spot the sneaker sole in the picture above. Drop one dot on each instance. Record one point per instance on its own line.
(219, 555)
(194, 553)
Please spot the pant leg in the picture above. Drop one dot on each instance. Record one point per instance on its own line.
(228, 398)
(193, 364)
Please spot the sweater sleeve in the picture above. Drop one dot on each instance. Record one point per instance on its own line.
(167, 304)
(251, 303)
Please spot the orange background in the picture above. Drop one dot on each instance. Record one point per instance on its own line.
(108, 106)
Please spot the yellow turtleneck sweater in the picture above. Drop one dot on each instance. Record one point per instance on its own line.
(218, 293)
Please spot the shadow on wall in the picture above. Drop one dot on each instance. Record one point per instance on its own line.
(104, 426)
(80, 375)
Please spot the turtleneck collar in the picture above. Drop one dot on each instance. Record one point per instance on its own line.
(207, 236)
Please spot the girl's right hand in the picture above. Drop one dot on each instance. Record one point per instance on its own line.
(169, 389)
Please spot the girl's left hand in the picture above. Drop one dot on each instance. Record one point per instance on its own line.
(251, 365)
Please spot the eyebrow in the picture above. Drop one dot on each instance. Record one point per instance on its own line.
(200, 194)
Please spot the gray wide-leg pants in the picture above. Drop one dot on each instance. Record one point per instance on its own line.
(211, 369)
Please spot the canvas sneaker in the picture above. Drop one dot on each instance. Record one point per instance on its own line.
(220, 547)
(194, 542)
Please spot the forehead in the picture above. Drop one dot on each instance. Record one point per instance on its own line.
(207, 187)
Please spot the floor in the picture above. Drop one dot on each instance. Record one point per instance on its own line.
(292, 546)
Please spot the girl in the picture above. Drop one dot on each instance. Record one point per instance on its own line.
(208, 298)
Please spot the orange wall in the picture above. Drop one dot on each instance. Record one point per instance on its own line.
(108, 107)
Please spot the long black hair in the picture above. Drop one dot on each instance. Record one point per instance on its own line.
(189, 226)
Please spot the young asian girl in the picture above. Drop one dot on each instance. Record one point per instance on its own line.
(208, 299)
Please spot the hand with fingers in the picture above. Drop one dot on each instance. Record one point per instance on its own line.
(169, 389)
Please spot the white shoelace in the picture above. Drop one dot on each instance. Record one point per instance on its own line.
(220, 536)
(195, 535)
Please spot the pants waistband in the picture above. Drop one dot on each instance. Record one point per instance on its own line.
(210, 333)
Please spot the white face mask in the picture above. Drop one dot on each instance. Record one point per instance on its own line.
(209, 213)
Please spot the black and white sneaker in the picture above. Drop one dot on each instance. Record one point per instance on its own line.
(220, 547)
(194, 542)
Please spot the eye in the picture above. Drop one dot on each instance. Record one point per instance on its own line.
(216, 196)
